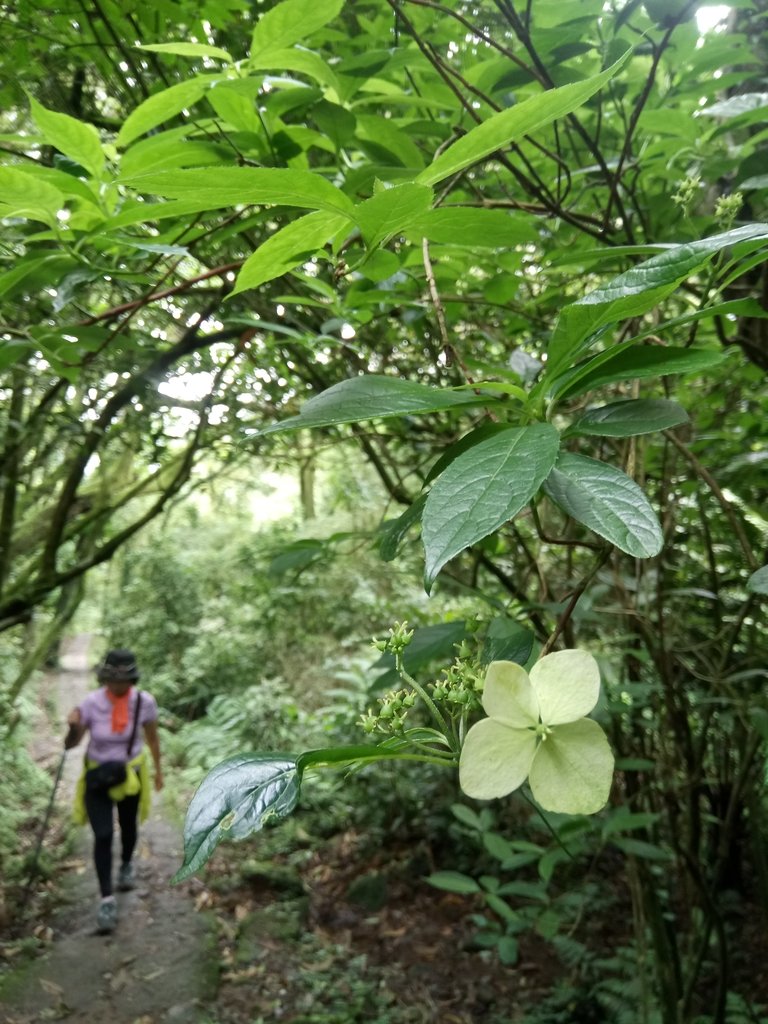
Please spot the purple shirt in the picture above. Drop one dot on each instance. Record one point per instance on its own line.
(96, 716)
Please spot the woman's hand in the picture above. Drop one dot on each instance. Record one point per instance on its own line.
(76, 729)
(159, 781)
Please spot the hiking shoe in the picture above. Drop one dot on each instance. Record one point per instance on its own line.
(107, 917)
(125, 881)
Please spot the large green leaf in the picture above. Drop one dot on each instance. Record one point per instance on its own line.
(288, 247)
(637, 291)
(606, 501)
(166, 150)
(484, 488)
(372, 397)
(163, 106)
(392, 532)
(303, 61)
(507, 640)
(630, 417)
(43, 270)
(635, 362)
(474, 437)
(514, 123)
(341, 756)
(462, 225)
(289, 22)
(13, 350)
(189, 50)
(390, 211)
(233, 801)
(25, 196)
(75, 139)
(214, 188)
(388, 138)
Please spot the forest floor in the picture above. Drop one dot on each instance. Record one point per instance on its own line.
(347, 937)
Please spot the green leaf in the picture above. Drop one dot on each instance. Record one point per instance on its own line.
(233, 801)
(188, 50)
(669, 267)
(500, 906)
(289, 22)
(636, 291)
(624, 820)
(507, 640)
(757, 182)
(390, 211)
(453, 881)
(382, 136)
(296, 556)
(474, 437)
(341, 756)
(630, 418)
(508, 949)
(486, 229)
(484, 488)
(392, 532)
(21, 195)
(42, 270)
(372, 397)
(13, 350)
(213, 188)
(468, 817)
(758, 581)
(527, 890)
(236, 109)
(635, 362)
(165, 151)
(75, 139)
(163, 106)
(498, 846)
(292, 245)
(606, 501)
(639, 848)
(302, 61)
(512, 124)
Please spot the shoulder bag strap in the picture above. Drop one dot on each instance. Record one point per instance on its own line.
(135, 723)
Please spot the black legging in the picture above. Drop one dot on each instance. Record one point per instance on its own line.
(101, 816)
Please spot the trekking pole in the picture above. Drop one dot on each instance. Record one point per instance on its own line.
(46, 819)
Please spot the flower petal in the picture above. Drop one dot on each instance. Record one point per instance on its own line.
(573, 768)
(508, 695)
(567, 685)
(495, 759)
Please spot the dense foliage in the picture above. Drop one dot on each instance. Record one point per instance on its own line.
(517, 257)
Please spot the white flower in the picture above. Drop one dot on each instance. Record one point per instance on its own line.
(536, 729)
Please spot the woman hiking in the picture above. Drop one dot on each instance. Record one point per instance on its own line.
(118, 717)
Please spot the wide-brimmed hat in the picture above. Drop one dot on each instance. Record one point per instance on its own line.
(118, 666)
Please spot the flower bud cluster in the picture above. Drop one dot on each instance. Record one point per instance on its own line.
(687, 192)
(462, 684)
(393, 711)
(399, 638)
(727, 209)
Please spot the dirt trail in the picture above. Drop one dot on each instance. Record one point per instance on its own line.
(159, 965)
